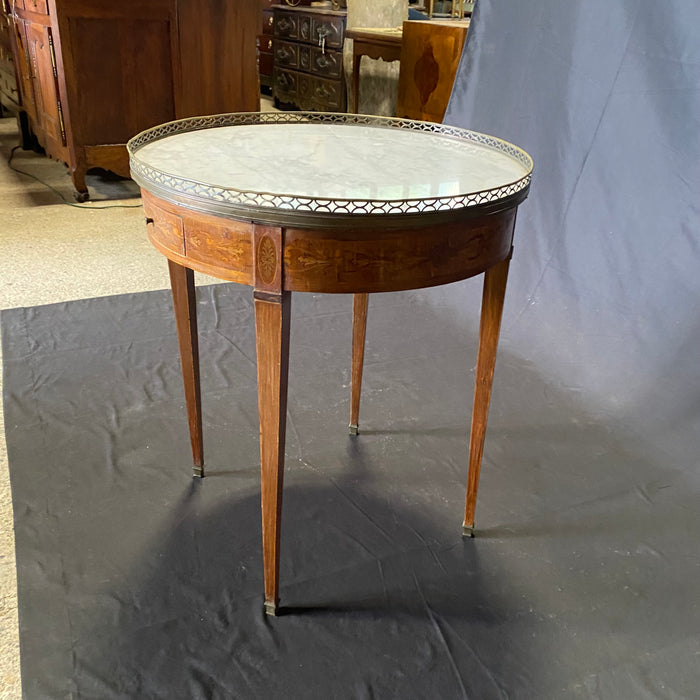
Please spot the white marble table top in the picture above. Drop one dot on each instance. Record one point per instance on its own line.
(293, 165)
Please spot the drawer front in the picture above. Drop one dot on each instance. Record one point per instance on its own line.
(268, 22)
(265, 45)
(332, 28)
(165, 229)
(286, 54)
(286, 25)
(328, 64)
(327, 95)
(286, 85)
(305, 34)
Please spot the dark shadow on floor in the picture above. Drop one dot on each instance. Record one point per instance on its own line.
(135, 581)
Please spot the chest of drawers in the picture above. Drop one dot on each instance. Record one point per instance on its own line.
(308, 59)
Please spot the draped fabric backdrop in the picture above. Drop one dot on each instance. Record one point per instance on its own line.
(605, 280)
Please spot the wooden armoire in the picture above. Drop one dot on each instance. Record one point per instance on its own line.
(93, 73)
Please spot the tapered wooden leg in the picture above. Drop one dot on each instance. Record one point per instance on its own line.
(272, 341)
(491, 311)
(185, 305)
(359, 328)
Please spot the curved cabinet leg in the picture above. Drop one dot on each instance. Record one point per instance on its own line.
(359, 330)
(77, 176)
(185, 305)
(272, 313)
(491, 311)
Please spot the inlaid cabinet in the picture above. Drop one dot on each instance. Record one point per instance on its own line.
(308, 58)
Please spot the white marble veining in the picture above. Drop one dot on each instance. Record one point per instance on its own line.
(332, 161)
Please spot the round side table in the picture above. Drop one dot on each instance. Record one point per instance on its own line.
(326, 203)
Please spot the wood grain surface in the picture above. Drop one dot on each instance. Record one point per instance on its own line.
(278, 260)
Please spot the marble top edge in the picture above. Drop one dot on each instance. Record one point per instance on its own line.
(251, 118)
(259, 197)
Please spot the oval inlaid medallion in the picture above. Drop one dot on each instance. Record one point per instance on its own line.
(267, 260)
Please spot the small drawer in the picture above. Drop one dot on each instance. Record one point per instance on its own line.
(330, 28)
(327, 95)
(286, 25)
(285, 85)
(304, 89)
(268, 22)
(265, 44)
(328, 64)
(305, 32)
(165, 229)
(286, 54)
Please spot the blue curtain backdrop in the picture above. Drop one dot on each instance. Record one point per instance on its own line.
(605, 283)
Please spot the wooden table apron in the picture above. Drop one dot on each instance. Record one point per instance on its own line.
(278, 260)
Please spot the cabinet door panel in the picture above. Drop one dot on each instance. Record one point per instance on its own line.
(118, 76)
(43, 67)
(218, 62)
(24, 70)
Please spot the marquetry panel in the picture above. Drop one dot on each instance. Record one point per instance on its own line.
(268, 241)
(165, 228)
(374, 261)
(215, 245)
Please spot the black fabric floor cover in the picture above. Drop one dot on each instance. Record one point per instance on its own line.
(137, 582)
